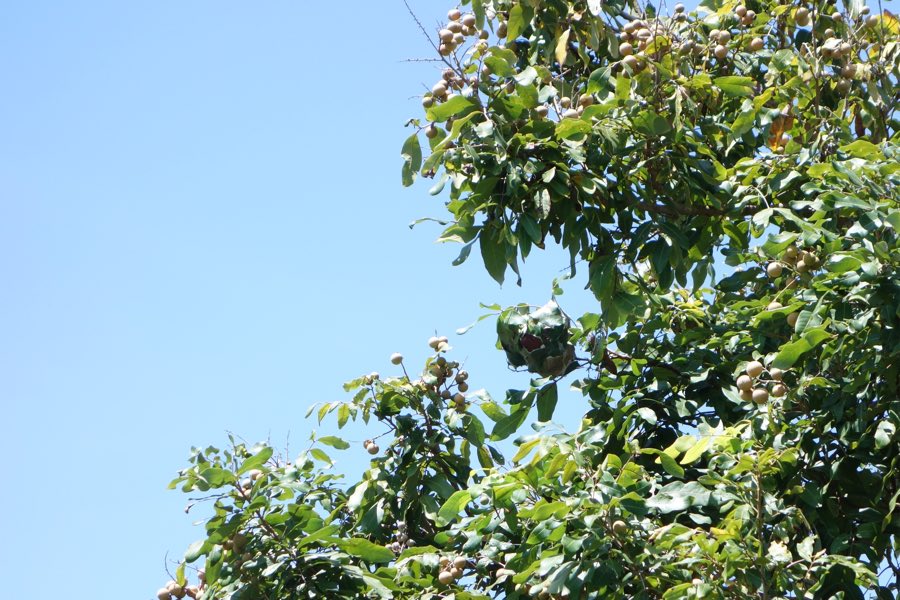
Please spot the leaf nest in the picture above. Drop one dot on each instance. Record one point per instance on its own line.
(536, 339)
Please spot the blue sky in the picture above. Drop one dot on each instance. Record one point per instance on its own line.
(202, 230)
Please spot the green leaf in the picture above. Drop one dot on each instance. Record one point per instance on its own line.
(453, 106)
(515, 25)
(319, 454)
(450, 510)
(493, 252)
(884, 433)
(863, 149)
(365, 550)
(650, 123)
(412, 159)
(334, 442)
(734, 85)
(196, 550)
(546, 402)
(256, 461)
(791, 352)
(569, 128)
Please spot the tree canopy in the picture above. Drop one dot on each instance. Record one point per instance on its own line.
(724, 182)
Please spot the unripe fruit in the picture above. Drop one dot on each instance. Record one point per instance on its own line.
(620, 527)
(626, 49)
(430, 132)
(754, 368)
(501, 30)
(779, 390)
(427, 102)
(792, 319)
(445, 577)
(756, 44)
(842, 86)
(848, 71)
(790, 252)
(774, 269)
(865, 10)
(454, 14)
(809, 259)
(744, 383)
(777, 374)
(774, 305)
(872, 21)
(802, 16)
(828, 33)
(837, 17)
(720, 52)
(760, 395)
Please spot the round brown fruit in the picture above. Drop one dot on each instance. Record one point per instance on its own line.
(454, 14)
(777, 374)
(754, 368)
(620, 527)
(779, 390)
(744, 383)
(792, 319)
(801, 16)
(626, 49)
(746, 395)
(373, 448)
(720, 52)
(163, 594)
(445, 577)
(774, 269)
(396, 357)
(756, 44)
(460, 562)
(760, 395)
(446, 35)
(468, 20)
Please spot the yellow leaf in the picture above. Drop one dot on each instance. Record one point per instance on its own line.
(562, 47)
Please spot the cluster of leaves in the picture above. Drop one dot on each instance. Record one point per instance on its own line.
(729, 178)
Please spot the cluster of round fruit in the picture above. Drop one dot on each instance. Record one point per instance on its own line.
(441, 90)
(459, 26)
(173, 589)
(371, 447)
(442, 370)
(401, 538)
(567, 109)
(752, 387)
(802, 261)
(803, 16)
(452, 569)
(247, 482)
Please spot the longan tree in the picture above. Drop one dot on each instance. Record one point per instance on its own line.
(724, 183)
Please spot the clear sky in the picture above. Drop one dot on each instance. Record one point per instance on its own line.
(202, 229)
